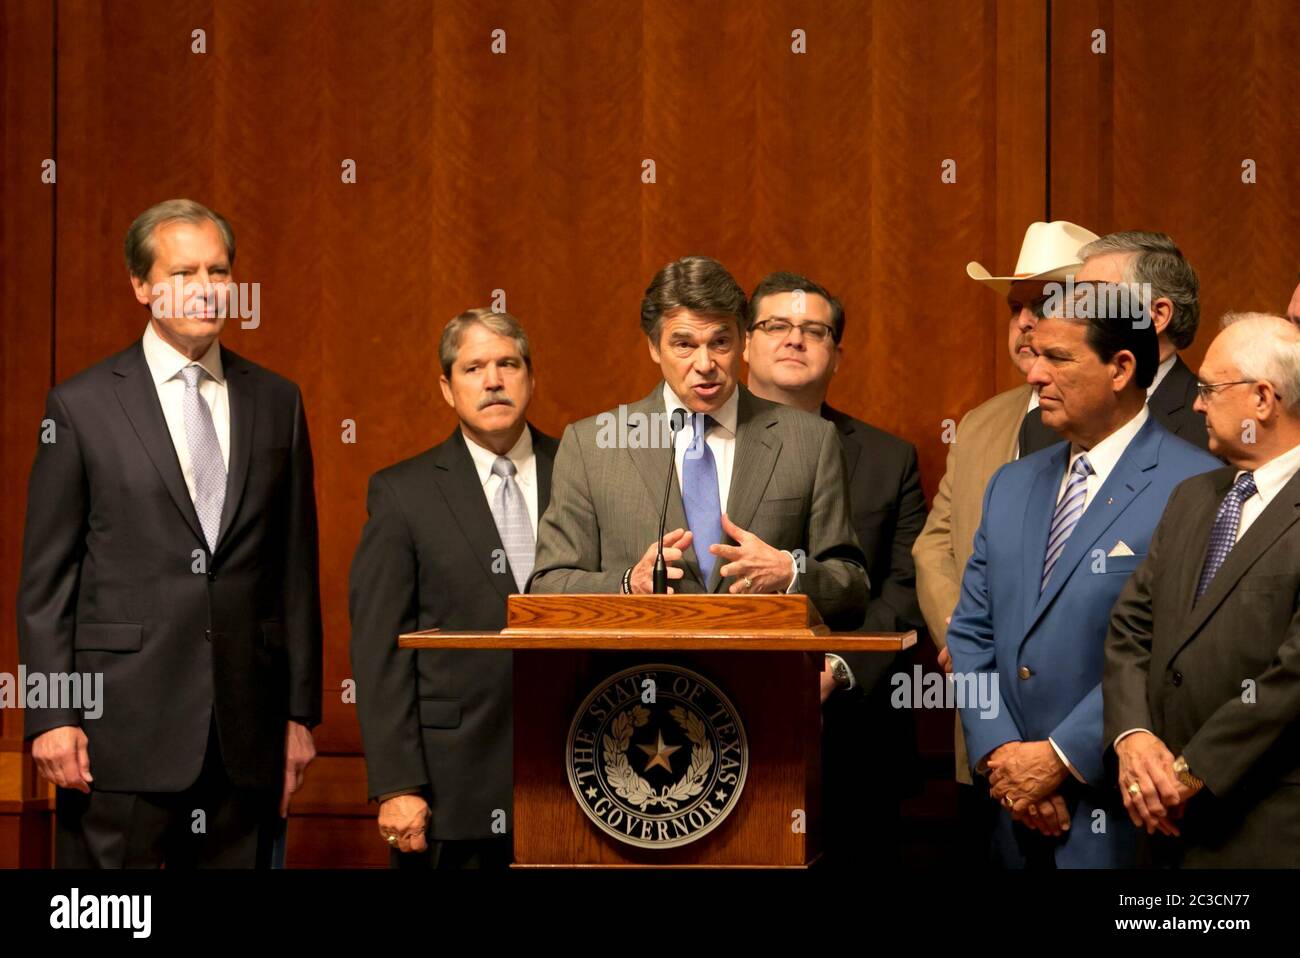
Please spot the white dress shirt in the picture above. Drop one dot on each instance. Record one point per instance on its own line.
(165, 363)
(1103, 457)
(521, 454)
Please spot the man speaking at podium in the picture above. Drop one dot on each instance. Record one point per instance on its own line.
(759, 503)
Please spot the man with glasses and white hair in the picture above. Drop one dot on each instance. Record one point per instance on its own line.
(868, 748)
(1202, 680)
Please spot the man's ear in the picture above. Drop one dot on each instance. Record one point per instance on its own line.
(141, 288)
(1125, 364)
(1162, 311)
(654, 349)
(445, 383)
(836, 358)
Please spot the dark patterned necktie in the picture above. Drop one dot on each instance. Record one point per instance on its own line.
(1224, 534)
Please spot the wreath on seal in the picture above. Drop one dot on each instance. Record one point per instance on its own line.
(624, 780)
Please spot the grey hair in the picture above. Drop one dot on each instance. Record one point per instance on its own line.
(1269, 352)
(139, 237)
(1160, 262)
(503, 324)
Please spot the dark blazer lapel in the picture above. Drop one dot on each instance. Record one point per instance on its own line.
(652, 461)
(458, 479)
(1278, 516)
(1121, 487)
(241, 391)
(756, 452)
(1172, 394)
(848, 440)
(139, 398)
(545, 461)
(1193, 556)
(1038, 522)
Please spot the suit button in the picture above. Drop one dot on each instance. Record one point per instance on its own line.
(212, 577)
(207, 635)
(1024, 671)
(1176, 678)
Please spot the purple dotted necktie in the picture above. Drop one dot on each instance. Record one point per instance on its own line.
(1224, 534)
(700, 498)
(510, 513)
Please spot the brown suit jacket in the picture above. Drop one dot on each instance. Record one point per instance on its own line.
(986, 439)
(1217, 680)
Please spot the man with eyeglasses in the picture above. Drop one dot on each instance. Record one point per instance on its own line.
(868, 748)
(1202, 678)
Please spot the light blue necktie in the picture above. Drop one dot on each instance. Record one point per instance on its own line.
(206, 463)
(700, 495)
(510, 513)
(1068, 512)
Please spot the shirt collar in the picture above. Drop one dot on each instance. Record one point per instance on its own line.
(165, 360)
(1161, 372)
(484, 458)
(726, 417)
(1274, 474)
(1103, 456)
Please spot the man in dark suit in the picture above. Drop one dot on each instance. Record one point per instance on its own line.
(171, 546)
(1137, 256)
(450, 535)
(1202, 682)
(1059, 534)
(757, 482)
(869, 756)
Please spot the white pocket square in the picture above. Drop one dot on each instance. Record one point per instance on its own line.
(1120, 549)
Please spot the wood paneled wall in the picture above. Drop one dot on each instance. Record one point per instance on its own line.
(522, 172)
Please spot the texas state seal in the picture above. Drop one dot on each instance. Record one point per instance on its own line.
(657, 756)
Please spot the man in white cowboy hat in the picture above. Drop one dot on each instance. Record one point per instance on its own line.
(997, 431)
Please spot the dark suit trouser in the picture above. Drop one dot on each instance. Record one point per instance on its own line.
(149, 829)
(485, 853)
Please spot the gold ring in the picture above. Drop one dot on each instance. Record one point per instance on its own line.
(391, 839)
(1006, 800)
(1133, 789)
(749, 583)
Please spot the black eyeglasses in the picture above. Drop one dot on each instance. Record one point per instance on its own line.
(780, 328)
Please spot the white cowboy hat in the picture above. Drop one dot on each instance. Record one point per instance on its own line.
(1050, 251)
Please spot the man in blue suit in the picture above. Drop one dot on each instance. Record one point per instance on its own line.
(1060, 533)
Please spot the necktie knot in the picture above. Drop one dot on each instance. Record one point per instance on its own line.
(702, 422)
(503, 467)
(192, 374)
(1244, 487)
(1082, 467)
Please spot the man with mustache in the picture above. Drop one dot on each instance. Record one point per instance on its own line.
(449, 537)
(171, 545)
(997, 431)
(760, 503)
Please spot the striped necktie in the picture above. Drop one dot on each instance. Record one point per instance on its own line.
(1224, 534)
(1068, 512)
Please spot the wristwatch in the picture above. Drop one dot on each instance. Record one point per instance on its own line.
(839, 670)
(1184, 775)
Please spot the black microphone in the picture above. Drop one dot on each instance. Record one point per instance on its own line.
(675, 423)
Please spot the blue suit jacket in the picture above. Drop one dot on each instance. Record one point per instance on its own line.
(1002, 624)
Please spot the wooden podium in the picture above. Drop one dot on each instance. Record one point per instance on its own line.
(763, 652)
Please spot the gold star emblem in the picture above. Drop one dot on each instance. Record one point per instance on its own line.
(659, 753)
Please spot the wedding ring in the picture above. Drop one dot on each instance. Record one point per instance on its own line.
(749, 583)
(1006, 800)
(391, 839)
(1133, 789)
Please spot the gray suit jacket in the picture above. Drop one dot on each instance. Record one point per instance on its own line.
(1179, 668)
(787, 487)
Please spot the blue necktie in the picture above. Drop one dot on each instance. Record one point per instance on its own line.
(1067, 515)
(1224, 534)
(700, 495)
